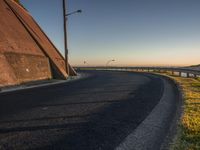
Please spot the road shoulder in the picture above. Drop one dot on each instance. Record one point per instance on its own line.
(154, 131)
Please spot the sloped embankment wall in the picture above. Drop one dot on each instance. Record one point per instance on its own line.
(19, 68)
(21, 59)
(26, 53)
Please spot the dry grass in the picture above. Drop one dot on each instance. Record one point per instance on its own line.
(188, 135)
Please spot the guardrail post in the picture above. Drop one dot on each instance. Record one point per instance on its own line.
(187, 75)
(179, 74)
(195, 76)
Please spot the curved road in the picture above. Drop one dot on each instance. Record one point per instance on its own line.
(93, 113)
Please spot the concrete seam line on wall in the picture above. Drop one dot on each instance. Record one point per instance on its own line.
(151, 133)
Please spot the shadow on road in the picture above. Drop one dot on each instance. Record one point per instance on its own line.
(103, 128)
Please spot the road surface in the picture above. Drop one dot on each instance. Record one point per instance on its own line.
(93, 113)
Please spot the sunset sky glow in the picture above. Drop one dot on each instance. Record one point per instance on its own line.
(133, 32)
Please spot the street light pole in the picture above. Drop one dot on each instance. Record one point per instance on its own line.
(65, 37)
(65, 15)
(109, 62)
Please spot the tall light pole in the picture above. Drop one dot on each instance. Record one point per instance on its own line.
(65, 15)
(109, 62)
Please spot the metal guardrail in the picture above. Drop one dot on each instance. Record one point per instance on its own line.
(173, 70)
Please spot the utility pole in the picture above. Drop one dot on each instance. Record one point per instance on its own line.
(65, 18)
(109, 62)
(65, 37)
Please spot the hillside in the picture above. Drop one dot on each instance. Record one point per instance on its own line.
(194, 67)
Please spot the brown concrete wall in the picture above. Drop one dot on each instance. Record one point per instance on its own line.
(72, 72)
(28, 67)
(39, 37)
(19, 68)
(7, 76)
(13, 36)
(21, 59)
(26, 53)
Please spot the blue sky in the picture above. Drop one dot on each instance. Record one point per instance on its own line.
(133, 32)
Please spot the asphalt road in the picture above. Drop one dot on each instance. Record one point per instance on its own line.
(93, 113)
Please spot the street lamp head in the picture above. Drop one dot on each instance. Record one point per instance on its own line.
(79, 11)
(74, 12)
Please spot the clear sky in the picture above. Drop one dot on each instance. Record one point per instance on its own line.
(133, 32)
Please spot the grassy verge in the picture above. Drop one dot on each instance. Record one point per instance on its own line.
(188, 135)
